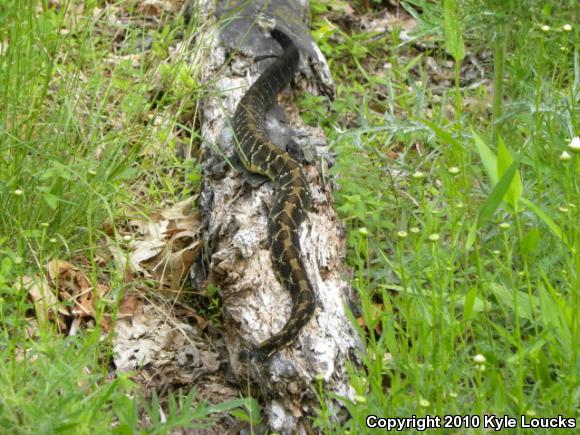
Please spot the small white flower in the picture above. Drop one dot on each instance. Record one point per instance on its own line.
(575, 144)
(360, 399)
(453, 170)
(415, 230)
(18, 192)
(424, 403)
(387, 358)
(44, 224)
(52, 240)
(504, 225)
(564, 157)
(567, 28)
(418, 175)
(402, 234)
(545, 28)
(479, 359)
(127, 238)
(564, 209)
(481, 368)
(531, 413)
(434, 237)
(495, 252)
(452, 394)
(363, 231)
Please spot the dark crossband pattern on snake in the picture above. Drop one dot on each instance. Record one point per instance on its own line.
(292, 196)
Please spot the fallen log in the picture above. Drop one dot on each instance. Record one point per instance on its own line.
(235, 208)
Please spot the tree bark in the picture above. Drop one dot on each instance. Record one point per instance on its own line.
(235, 213)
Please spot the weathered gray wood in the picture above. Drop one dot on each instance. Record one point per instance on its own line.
(235, 213)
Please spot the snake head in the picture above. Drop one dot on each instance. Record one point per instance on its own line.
(266, 22)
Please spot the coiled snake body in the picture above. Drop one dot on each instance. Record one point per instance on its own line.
(292, 196)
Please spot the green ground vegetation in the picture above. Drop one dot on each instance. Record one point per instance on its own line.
(462, 209)
(462, 204)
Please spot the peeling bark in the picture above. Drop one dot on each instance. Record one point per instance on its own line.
(235, 213)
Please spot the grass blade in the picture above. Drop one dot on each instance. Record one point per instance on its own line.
(487, 157)
(553, 226)
(444, 136)
(504, 160)
(498, 193)
(453, 29)
(492, 202)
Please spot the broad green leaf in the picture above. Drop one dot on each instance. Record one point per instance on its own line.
(469, 306)
(471, 236)
(492, 202)
(550, 312)
(487, 158)
(527, 307)
(504, 160)
(556, 230)
(442, 134)
(564, 314)
(497, 194)
(51, 200)
(453, 30)
(530, 241)
(57, 170)
(412, 63)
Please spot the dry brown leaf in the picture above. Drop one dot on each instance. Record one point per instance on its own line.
(172, 267)
(165, 246)
(156, 8)
(4, 46)
(85, 300)
(143, 251)
(72, 283)
(106, 323)
(376, 312)
(181, 210)
(201, 321)
(130, 305)
(45, 301)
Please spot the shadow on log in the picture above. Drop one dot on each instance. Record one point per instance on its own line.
(235, 208)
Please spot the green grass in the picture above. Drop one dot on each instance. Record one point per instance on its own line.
(468, 267)
(79, 140)
(465, 252)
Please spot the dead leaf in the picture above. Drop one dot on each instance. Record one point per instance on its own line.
(165, 246)
(156, 8)
(172, 267)
(46, 304)
(130, 305)
(73, 286)
(376, 312)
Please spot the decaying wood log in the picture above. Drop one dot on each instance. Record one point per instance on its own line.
(235, 212)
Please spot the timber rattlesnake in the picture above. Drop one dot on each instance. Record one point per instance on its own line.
(292, 195)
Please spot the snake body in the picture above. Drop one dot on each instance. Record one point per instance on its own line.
(292, 196)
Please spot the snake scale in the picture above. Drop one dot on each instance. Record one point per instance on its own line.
(292, 195)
